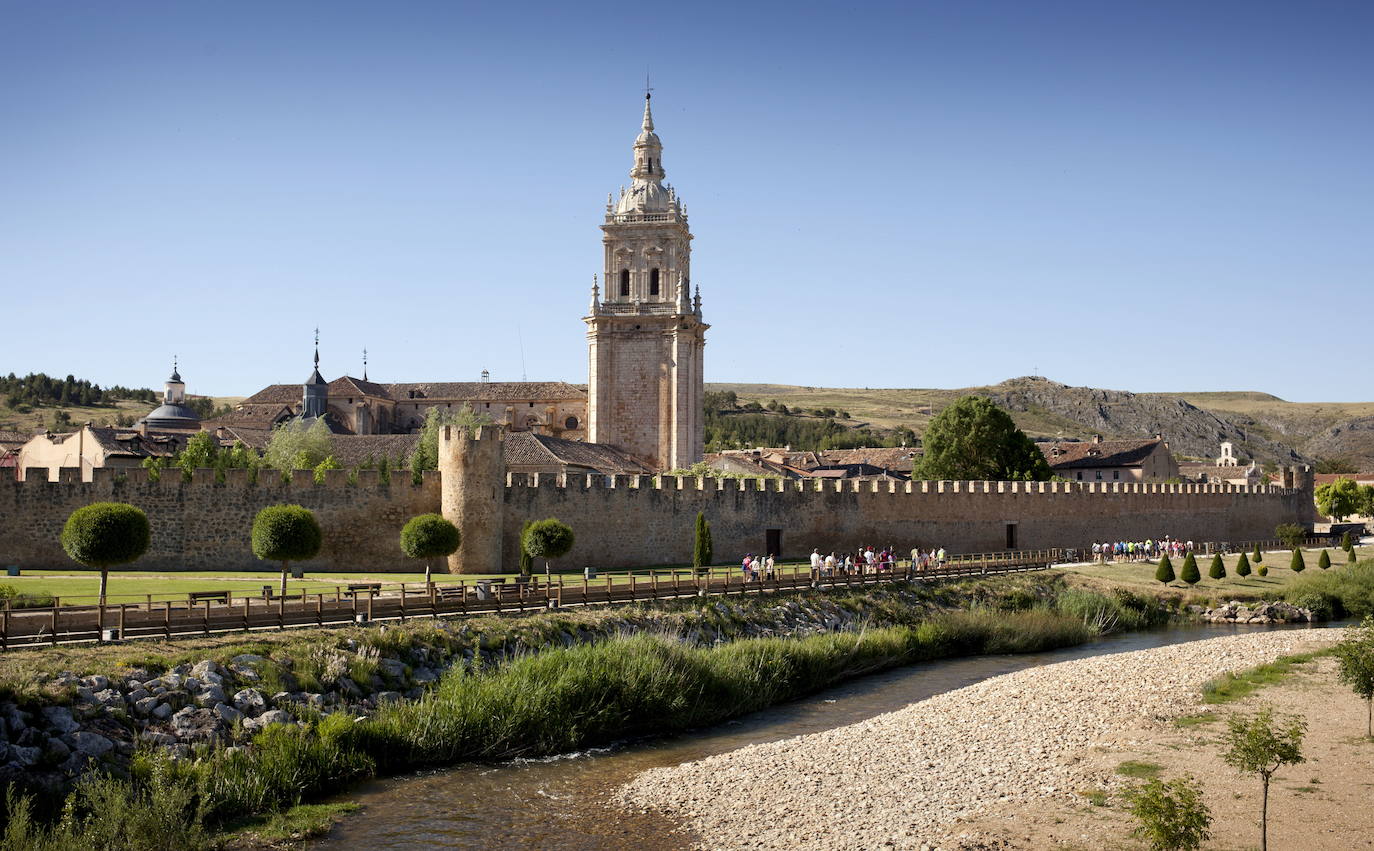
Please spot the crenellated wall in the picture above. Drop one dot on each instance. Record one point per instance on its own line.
(628, 520)
(202, 525)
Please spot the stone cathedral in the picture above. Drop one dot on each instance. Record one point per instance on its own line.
(645, 336)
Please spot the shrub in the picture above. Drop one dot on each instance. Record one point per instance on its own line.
(1355, 656)
(1165, 572)
(1262, 570)
(1297, 565)
(1257, 556)
(1170, 815)
(1243, 566)
(1218, 568)
(429, 536)
(1322, 607)
(106, 534)
(286, 533)
(1323, 560)
(548, 539)
(1189, 573)
(1290, 533)
(1346, 543)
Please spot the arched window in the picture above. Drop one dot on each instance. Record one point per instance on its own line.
(653, 282)
(624, 283)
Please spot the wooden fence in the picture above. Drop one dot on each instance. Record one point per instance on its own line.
(208, 613)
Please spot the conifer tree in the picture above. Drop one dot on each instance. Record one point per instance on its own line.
(1189, 572)
(1257, 556)
(701, 547)
(1297, 564)
(1323, 560)
(1346, 543)
(1218, 568)
(1165, 572)
(1243, 566)
(1350, 557)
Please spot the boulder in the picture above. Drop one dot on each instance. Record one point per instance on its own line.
(162, 711)
(227, 713)
(60, 718)
(110, 698)
(96, 682)
(211, 696)
(25, 756)
(146, 705)
(91, 744)
(58, 750)
(250, 701)
(247, 660)
(273, 716)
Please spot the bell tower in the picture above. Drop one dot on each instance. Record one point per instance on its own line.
(645, 337)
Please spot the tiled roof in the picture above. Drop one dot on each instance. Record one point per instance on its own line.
(13, 439)
(349, 386)
(275, 394)
(888, 458)
(250, 416)
(526, 449)
(350, 450)
(1106, 453)
(133, 444)
(472, 391)
(1320, 479)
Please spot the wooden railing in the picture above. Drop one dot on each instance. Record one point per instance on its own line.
(209, 613)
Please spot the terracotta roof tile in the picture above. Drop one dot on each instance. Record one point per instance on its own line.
(1065, 455)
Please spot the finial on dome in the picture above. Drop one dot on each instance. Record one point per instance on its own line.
(648, 115)
(364, 364)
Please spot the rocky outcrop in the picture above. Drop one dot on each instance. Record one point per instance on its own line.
(1257, 613)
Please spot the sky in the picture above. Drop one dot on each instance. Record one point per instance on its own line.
(1151, 196)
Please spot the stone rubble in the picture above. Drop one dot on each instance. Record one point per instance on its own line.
(1260, 613)
(906, 779)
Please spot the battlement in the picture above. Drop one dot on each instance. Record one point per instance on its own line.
(766, 485)
(105, 480)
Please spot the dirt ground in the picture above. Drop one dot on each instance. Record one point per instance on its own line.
(1323, 803)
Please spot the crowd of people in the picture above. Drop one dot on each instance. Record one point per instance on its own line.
(1146, 550)
(869, 560)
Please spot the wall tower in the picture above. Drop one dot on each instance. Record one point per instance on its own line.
(645, 337)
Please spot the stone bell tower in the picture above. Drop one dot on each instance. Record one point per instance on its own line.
(644, 333)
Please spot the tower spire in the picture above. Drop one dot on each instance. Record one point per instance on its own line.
(317, 347)
(364, 364)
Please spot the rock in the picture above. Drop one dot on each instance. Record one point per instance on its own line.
(96, 682)
(211, 696)
(388, 697)
(184, 719)
(162, 711)
(247, 660)
(274, 716)
(25, 756)
(146, 705)
(137, 694)
(158, 739)
(393, 668)
(425, 675)
(91, 744)
(202, 669)
(110, 698)
(250, 702)
(172, 680)
(227, 713)
(60, 718)
(58, 750)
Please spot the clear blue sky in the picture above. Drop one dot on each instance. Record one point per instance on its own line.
(1146, 196)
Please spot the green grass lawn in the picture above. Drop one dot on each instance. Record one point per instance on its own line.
(1142, 575)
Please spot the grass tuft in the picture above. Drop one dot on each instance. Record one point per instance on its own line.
(1139, 770)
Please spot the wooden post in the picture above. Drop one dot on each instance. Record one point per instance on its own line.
(281, 612)
(207, 617)
(167, 621)
(370, 593)
(433, 601)
(319, 609)
(5, 628)
(403, 602)
(246, 623)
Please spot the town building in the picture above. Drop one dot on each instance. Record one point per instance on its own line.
(1098, 460)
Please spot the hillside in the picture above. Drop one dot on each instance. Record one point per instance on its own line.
(30, 419)
(1262, 426)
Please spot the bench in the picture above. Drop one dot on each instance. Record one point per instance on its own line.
(365, 586)
(202, 596)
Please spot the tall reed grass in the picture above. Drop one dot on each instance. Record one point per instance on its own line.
(1339, 592)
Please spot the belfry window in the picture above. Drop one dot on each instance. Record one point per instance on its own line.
(653, 282)
(624, 283)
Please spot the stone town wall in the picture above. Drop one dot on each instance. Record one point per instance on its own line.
(631, 520)
(201, 525)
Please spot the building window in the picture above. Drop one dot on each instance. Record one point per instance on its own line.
(653, 282)
(624, 283)
(570, 423)
(1080, 475)
(1099, 475)
(1116, 474)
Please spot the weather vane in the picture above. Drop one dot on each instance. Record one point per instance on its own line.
(647, 88)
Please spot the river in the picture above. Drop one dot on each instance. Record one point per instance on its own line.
(558, 803)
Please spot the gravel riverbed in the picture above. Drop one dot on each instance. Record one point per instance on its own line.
(908, 778)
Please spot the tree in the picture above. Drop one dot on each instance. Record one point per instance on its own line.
(1336, 465)
(1257, 556)
(286, 533)
(1296, 564)
(1218, 568)
(1340, 499)
(1165, 572)
(1350, 557)
(526, 562)
(1171, 816)
(548, 539)
(974, 439)
(1190, 573)
(1242, 566)
(1323, 560)
(1290, 533)
(429, 536)
(295, 446)
(1346, 543)
(1256, 746)
(104, 535)
(701, 543)
(1355, 660)
(1262, 570)
(426, 454)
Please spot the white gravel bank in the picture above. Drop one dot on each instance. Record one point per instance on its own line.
(908, 777)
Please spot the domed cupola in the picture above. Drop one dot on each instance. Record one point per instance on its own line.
(647, 194)
(172, 413)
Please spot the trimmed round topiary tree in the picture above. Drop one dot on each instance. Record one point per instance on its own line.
(1262, 570)
(429, 536)
(1242, 566)
(104, 535)
(548, 539)
(1218, 568)
(1165, 572)
(1323, 560)
(1297, 564)
(286, 533)
(1189, 573)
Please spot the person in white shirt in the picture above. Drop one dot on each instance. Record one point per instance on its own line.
(815, 562)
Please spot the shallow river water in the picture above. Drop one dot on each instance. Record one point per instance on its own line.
(558, 803)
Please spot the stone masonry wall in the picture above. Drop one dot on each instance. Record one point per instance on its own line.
(202, 525)
(629, 521)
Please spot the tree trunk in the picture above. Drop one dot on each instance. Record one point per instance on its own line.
(429, 565)
(1264, 818)
(284, 569)
(104, 582)
(1369, 718)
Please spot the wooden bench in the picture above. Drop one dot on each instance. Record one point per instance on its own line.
(202, 596)
(364, 586)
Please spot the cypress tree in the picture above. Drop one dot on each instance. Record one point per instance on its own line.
(1323, 560)
(1218, 569)
(1165, 572)
(701, 544)
(1190, 573)
(1346, 543)
(1242, 566)
(1350, 557)
(1297, 564)
(1257, 556)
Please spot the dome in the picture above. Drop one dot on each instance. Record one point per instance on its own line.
(172, 416)
(644, 196)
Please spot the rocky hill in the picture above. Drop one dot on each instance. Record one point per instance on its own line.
(1262, 426)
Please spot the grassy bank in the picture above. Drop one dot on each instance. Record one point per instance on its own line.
(539, 703)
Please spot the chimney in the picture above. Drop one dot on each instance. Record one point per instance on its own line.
(1097, 438)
